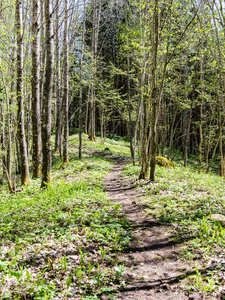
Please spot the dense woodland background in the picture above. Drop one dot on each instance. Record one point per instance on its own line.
(149, 71)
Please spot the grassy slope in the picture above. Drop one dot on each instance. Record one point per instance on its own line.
(64, 239)
(185, 199)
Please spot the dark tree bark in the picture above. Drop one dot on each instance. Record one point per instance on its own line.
(19, 93)
(154, 100)
(47, 98)
(80, 99)
(36, 118)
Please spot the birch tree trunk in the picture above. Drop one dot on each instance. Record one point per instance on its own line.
(19, 93)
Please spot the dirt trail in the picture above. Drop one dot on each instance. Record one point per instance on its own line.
(153, 267)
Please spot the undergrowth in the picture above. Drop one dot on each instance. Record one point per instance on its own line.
(63, 241)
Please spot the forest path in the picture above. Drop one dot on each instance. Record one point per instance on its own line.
(152, 265)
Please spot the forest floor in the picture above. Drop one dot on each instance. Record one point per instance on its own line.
(174, 252)
(99, 233)
(154, 268)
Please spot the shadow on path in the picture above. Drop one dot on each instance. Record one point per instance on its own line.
(153, 269)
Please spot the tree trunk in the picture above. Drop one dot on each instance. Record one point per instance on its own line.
(129, 107)
(20, 113)
(80, 100)
(155, 103)
(46, 122)
(200, 140)
(153, 140)
(136, 129)
(28, 121)
(129, 92)
(42, 54)
(145, 104)
(163, 128)
(94, 46)
(187, 125)
(7, 167)
(221, 150)
(58, 95)
(65, 88)
(215, 148)
(201, 110)
(87, 109)
(36, 117)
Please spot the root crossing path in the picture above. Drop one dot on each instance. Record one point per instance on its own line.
(153, 269)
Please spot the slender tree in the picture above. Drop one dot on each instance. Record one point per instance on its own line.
(47, 97)
(65, 88)
(19, 93)
(80, 99)
(36, 119)
(58, 85)
(129, 95)
(7, 167)
(97, 6)
(155, 98)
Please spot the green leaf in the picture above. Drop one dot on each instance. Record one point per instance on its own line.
(68, 281)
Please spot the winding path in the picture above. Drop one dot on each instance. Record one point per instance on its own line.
(153, 268)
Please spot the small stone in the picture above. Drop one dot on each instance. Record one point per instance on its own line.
(218, 218)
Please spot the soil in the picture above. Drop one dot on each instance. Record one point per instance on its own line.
(153, 267)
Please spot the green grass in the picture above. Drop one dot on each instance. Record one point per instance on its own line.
(118, 147)
(65, 239)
